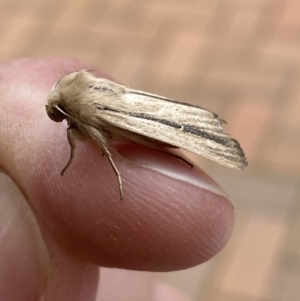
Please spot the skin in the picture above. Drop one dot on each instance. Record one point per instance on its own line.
(56, 231)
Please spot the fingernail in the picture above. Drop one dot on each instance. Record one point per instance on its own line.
(171, 167)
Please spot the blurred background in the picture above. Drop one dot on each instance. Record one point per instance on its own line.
(238, 58)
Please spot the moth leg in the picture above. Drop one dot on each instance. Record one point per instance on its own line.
(102, 143)
(167, 152)
(112, 163)
(107, 153)
(177, 157)
(155, 144)
(71, 140)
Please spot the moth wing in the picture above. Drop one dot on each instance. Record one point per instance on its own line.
(173, 123)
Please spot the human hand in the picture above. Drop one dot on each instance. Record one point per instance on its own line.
(56, 231)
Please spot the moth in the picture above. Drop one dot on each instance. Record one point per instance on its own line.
(103, 110)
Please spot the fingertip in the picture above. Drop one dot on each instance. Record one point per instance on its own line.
(171, 217)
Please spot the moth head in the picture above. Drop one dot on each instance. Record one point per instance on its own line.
(54, 108)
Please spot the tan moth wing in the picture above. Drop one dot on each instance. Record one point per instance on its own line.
(173, 123)
(101, 109)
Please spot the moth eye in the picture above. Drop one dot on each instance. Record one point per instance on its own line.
(55, 114)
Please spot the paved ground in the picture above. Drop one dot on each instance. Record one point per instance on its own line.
(238, 58)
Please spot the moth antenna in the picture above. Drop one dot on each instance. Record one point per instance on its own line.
(66, 114)
(66, 75)
(55, 85)
(63, 112)
(57, 82)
